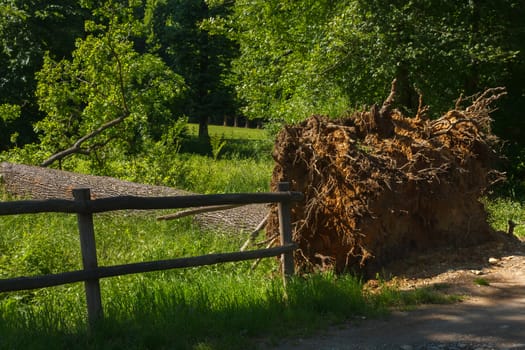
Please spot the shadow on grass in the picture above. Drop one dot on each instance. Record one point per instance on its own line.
(199, 316)
(156, 317)
(233, 148)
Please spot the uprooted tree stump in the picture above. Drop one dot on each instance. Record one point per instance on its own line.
(379, 185)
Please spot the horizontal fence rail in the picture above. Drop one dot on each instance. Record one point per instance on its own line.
(28, 283)
(141, 203)
(91, 273)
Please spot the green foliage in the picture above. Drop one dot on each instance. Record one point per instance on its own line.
(202, 58)
(501, 210)
(193, 172)
(8, 112)
(276, 75)
(28, 28)
(240, 143)
(106, 81)
(291, 59)
(217, 144)
(480, 281)
(46, 244)
(28, 154)
(202, 175)
(183, 308)
(303, 57)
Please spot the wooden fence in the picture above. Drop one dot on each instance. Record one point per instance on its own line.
(91, 273)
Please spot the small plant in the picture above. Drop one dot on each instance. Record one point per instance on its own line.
(217, 144)
(503, 210)
(480, 281)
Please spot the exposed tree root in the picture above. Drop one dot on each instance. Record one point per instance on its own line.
(378, 184)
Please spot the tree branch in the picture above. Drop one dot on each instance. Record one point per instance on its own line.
(76, 148)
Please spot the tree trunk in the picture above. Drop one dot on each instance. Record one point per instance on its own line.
(406, 97)
(33, 182)
(203, 128)
(202, 86)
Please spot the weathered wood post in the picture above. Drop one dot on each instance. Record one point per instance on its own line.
(89, 255)
(285, 230)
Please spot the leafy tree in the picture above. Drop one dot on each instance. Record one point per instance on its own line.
(277, 78)
(107, 96)
(320, 56)
(200, 56)
(28, 28)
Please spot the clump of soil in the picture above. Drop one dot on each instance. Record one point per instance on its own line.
(379, 185)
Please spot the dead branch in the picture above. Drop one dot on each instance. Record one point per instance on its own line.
(386, 108)
(271, 243)
(485, 99)
(255, 233)
(266, 241)
(77, 146)
(422, 110)
(200, 210)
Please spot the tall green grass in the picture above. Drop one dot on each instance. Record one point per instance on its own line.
(226, 306)
(222, 306)
(230, 133)
(501, 210)
(229, 142)
(243, 163)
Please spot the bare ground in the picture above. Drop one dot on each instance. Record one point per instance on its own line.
(489, 317)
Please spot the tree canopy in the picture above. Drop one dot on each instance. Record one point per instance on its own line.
(28, 29)
(67, 68)
(201, 57)
(107, 82)
(326, 56)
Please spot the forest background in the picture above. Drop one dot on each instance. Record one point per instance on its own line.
(83, 83)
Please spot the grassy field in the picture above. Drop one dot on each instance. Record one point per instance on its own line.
(230, 143)
(227, 306)
(501, 210)
(230, 133)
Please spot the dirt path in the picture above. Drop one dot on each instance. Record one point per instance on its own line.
(490, 317)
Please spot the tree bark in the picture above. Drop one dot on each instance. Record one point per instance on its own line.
(203, 128)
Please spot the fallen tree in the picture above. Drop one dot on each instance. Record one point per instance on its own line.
(34, 182)
(379, 185)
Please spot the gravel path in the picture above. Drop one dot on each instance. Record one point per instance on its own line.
(491, 317)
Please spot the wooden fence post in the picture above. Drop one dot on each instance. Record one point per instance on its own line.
(89, 256)
(285, 230)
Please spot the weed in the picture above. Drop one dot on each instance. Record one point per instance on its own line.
(480, 281)
(501, 210)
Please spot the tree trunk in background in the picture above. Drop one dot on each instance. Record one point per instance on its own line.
(202, 81)
(406, 97)
(472, 79)
(203, 128)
